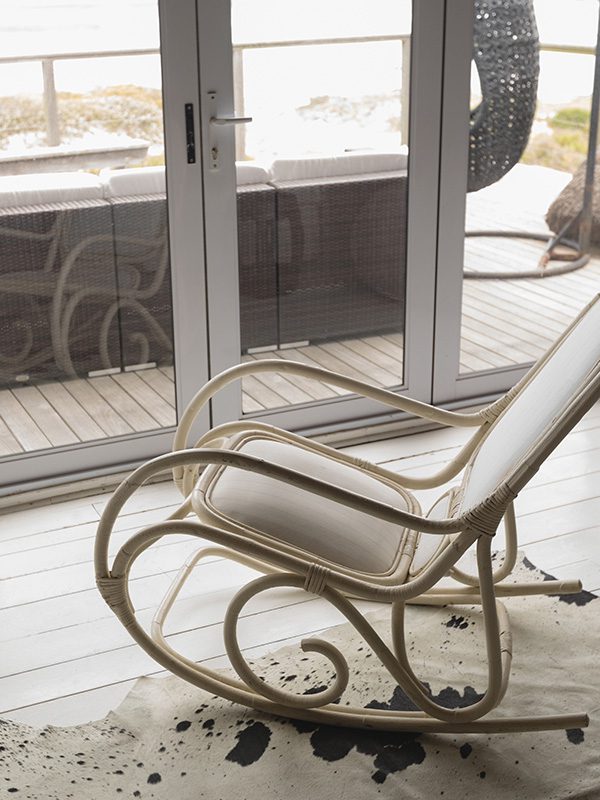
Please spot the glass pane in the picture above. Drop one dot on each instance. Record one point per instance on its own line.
(85, 297)
(322, 190)
(531, 92)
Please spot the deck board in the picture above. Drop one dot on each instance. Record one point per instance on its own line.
(104, 414)
(8, 443)
(54, 426)
(80, 421)
(146, 397)
(20, 424)
(124, 404)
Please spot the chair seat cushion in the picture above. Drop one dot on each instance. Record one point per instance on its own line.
(329, 530)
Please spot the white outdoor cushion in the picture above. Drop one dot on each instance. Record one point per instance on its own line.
(360, 163)
(134, 181)
(48, 187)
(328, 529)
(246, 173)
(534, 409)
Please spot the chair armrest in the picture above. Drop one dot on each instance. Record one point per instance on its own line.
(195, 457)
(407, 404)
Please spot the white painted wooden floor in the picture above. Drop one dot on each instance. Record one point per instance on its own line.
(65, 659)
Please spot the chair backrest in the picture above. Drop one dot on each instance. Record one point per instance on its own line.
(542, 412)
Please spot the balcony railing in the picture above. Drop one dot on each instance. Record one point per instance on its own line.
(47, 61)
(238, 73)
(50, 99)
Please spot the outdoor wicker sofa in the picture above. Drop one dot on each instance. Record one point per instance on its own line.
(341, 245)
(55, 276)
(85, 258)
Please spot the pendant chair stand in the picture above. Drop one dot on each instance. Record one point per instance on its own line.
(307, 516)
(506, 53)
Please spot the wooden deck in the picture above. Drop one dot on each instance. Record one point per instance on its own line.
(377, 359)
(504, 323)
(82, 410)
(510, 322)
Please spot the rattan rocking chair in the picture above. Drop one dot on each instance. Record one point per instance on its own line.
(308, 516)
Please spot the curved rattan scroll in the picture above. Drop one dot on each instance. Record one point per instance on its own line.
(298, 571)
(288, 564)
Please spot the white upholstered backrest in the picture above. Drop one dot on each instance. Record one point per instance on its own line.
(134, 181)
(535, 408)
(249, 172)
(48, 187)
(354, 163)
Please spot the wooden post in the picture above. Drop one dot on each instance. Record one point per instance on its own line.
(50, 104)
(239, 103)
(586, 217)
(405, 91)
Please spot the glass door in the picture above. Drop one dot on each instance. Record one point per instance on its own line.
(92, 369)
(516, 264)
(317, 120)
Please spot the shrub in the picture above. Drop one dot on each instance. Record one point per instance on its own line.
(20, 115)
(566, 144)
(546, 151)
(578, 118)
(135, 111)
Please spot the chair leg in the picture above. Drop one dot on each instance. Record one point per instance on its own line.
(471, 595)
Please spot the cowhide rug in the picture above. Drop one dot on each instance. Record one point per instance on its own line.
(168, 740)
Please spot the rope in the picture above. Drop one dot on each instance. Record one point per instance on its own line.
(113, 591)
(485, 517)
(316, 579)
(493, 411)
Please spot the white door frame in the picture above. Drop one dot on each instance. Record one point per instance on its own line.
(185, 205)
(449, 385)
(214, 36)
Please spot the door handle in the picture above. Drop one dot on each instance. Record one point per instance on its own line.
(230, 120)
(215, 122)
